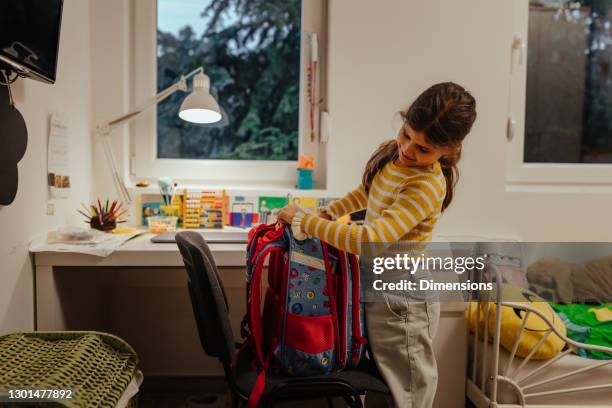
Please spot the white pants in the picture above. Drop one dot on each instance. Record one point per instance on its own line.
(400, 333)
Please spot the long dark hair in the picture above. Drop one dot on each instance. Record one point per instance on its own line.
(444, 113)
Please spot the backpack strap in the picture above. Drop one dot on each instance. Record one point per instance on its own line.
(331, 294)
(359, 339)
(258, 239)
(258, 390)
(343, 302)
(254, 318)
(254, 301)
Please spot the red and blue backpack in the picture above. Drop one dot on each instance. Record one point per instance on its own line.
(312, 321)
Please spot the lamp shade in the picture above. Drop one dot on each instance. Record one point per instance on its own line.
(200, 106)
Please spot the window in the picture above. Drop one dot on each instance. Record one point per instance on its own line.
(251, 52)
(257, 55)
(566, 112)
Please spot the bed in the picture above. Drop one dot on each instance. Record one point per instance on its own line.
(499, 378)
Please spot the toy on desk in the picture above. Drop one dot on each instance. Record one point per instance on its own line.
(204, 209)
(174, 208)
(103, 217)
(242, 215)
(305, 168)
(213, 209)
(142, 183)
(167, 189)
(150, 210)
(160, 223)
(269, 207)
(243, 211)
(309, 203)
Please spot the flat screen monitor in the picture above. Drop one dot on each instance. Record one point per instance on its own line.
(29, 37)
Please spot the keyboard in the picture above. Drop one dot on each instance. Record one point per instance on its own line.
(216, 237)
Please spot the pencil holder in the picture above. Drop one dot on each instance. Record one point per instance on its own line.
(103, 217)
(170, 210)
(105, 225)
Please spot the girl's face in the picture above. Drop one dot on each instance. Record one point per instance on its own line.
(414, 149)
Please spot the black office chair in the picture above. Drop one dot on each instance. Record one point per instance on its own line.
(211, 312)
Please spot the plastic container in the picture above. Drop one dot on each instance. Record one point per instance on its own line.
(159, 224)
(304, 179)
(170, 210)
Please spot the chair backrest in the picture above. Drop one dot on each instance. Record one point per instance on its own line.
(208, 297)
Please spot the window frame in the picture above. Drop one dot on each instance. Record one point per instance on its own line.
(520, 174)
(144, 162)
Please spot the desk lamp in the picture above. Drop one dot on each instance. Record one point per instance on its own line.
(198, 107)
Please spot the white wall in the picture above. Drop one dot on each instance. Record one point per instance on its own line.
(111, 70)
(26, 216)
(383, 54)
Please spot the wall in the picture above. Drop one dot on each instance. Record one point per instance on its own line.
(26, 217)
(383, 57)
(111, 70)
(379, 59)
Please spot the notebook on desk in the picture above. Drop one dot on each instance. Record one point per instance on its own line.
(217, 237)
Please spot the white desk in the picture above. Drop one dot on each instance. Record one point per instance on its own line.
(150, 308)
(141, 252)
(138, 253)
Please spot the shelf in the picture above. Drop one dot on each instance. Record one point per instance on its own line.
(239, 190)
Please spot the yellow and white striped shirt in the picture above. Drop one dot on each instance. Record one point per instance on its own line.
(403, 204)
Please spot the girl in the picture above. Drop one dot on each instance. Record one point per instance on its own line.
(407, 183)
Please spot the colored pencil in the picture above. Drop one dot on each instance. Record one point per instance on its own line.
(100, 214)
(86, 215)
(113, 206)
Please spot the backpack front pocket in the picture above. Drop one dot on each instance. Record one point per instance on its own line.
(308, 346)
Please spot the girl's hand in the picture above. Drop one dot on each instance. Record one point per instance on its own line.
(324, 215)
(287, 213)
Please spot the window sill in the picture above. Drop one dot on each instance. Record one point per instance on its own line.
(264, 189)
(569, 188)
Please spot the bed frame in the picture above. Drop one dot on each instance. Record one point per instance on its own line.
(484, 394)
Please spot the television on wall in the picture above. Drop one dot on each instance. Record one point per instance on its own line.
(29, 37)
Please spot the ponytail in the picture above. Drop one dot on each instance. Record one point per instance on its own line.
(385, 153)
(451, 175)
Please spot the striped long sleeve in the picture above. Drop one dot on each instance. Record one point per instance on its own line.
(354, 201)
(403, 204)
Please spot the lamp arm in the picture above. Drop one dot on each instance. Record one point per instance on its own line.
(180, 85)
(104, 130)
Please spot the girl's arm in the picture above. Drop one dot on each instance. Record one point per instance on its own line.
(412, 205)
(354, 201)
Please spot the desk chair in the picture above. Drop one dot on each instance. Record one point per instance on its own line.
(211, 312)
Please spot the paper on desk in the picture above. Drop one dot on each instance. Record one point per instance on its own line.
(102, 249)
